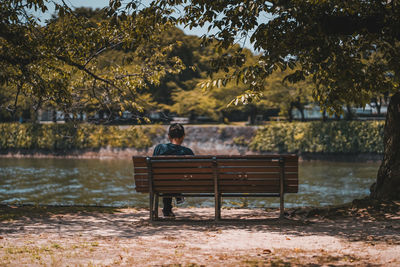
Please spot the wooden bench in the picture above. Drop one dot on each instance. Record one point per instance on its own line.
(217, 176)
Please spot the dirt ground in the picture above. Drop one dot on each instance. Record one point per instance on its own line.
(354, 235)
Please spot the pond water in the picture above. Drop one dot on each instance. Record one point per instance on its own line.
(110, 183)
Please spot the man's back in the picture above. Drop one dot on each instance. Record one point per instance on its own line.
(171, 149)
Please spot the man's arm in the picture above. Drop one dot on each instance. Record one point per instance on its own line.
(189, 151)
(157, 150)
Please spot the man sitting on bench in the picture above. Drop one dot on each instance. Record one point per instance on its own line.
(176, 134)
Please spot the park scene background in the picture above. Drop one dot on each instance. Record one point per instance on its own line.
(86, 86)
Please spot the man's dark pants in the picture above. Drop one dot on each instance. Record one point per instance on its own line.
(167, 205)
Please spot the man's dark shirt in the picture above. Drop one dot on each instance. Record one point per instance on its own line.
(171, 149)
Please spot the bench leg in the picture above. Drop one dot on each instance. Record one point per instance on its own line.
(151, 206)
(217, 207)
(156, 206)
(282, 207)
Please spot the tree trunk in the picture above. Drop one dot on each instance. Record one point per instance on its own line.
(349, 113)
(303, 118)
(378, 109)
(300, 108)
(324, 116)
(387, 185)
(252, 116)
(290, 112)
(54, 115)
(378, 104)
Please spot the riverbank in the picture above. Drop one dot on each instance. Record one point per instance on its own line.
(358, 234)
(310, 140)
(117, 153)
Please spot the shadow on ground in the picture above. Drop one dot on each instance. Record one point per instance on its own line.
(363, 221)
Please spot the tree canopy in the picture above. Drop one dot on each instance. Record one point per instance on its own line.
(58, 64)
(350, 50)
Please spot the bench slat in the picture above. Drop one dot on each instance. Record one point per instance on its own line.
(181, 183)
(258, 189)
(146, 190)
(224, 189)
(287, 157)
(182, 164)
(139, 164)
(253, 163)
(182, 170)
(183, 176)
(255, 169)
(223, 176)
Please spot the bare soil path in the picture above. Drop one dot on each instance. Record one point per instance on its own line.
(348, 236)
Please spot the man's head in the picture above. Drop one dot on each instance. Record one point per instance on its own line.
(176, 133)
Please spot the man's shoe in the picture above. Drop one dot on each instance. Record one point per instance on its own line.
(169, 214)
(180, 200)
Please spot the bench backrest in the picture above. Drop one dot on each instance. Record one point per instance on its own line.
(235, 174)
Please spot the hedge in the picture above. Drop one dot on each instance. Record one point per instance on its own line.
(295, 137)
(55, 137)
(320, 137)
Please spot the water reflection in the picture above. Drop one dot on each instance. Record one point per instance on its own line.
(110, 183)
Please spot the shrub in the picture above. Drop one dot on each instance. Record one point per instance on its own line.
(320, 137)
(55, 137)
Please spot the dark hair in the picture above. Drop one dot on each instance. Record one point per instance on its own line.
(176, 130)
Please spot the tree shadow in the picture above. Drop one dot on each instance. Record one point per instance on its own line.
(367, 223)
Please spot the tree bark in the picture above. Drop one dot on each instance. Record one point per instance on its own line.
(301, 109)
(54, 115)
(387, 185)
(290, 112)
(324, 117)
(349, 114)
(252, 115)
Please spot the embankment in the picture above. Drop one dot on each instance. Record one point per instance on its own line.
(348, 141)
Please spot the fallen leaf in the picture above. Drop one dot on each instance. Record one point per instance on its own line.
(267, 251)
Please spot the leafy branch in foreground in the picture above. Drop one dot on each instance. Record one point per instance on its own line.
(66, 62)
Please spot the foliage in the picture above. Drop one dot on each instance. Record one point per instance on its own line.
(285, 95)
(109, 60)
(59, 137)
(348, 48)
(63, 63)
(193, 102)
(320, 137)
(217, 101)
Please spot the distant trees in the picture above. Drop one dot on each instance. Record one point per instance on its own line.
(287, 96)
